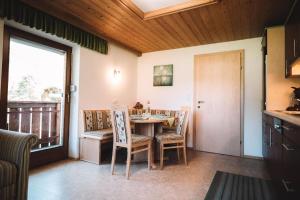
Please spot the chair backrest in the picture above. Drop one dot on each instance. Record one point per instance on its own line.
(94, 120)
(121, 125)
(183, 118)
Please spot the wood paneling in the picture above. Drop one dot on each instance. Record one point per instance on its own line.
(225, 21)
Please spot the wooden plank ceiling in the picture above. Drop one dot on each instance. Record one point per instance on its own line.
(226, 21)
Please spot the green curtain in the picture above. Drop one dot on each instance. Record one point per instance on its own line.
(26, 15)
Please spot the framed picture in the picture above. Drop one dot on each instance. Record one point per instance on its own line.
(163, 75)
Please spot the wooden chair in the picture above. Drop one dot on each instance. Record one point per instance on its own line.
(176, 139)
(123, 138)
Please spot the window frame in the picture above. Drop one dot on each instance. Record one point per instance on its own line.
(51, 154)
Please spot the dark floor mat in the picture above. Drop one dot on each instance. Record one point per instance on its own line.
(227, 186)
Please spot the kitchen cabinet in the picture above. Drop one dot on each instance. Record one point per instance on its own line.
(266, 140)
(281, 151)
(292, 41)
(291, 158)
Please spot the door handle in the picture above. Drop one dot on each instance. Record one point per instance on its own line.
(288, 148)
(285, 184)
(201, 102)
(270, 142)
(294, 48)
(286, 68)
(286, 128)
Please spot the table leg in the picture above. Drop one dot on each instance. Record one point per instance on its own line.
(152, 134)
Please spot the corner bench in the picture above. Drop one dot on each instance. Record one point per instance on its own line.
(97, 132)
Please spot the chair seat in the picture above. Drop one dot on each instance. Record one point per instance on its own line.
(99, 134)
(8, 173)
(140, 138)
(168, 128)
(169, 137)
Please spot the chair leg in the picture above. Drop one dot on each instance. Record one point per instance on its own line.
(113, 159)
(149, 155)
(128, 162)
(184, 154)
(161, 155)
(178, 152)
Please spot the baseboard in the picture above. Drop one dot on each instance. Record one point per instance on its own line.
(241, 156)
(75, 159)
(253, 157)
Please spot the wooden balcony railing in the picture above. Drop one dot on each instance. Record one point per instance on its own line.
(38, 118)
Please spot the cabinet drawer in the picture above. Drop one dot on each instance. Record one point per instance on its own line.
(90, 150)
(292, 132)
(291, 167)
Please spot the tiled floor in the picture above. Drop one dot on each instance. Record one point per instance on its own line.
(72, 180)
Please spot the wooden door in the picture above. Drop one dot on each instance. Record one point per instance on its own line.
(218, 102)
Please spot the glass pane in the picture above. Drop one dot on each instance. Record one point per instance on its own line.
(35, 91)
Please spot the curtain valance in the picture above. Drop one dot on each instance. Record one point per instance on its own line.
(29, 16)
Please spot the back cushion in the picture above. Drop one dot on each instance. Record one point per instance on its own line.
(181, 119)
(99, 120)
(136, 111)
(96, 120)
(108, 119)
(88, 120)
(120, 127)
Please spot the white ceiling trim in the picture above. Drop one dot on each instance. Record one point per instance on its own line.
(178, 7)
(151, 5)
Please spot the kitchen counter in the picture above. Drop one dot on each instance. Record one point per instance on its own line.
(294, 119)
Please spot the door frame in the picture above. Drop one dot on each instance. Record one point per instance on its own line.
(55, 153)
(242, 96)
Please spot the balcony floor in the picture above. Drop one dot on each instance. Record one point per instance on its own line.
(78, 180)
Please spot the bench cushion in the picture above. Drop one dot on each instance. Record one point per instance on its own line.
(8, 174)
(100, 134)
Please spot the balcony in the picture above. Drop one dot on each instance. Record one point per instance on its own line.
(36, 117)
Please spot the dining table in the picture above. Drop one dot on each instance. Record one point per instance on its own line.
(150, 125)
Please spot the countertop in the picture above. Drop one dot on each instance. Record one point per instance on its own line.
(294, 119)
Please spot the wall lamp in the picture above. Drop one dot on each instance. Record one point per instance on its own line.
(116, 73)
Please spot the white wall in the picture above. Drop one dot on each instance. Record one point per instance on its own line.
(276, 83)
(181, 93)
(97, 87)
